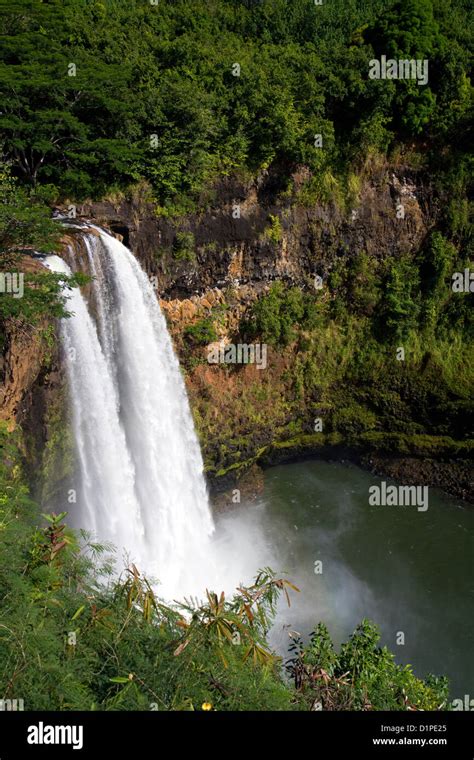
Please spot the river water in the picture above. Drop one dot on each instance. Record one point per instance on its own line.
(409, 571)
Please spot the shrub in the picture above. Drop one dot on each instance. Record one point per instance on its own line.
(277, 314)
(201, 333)
(184, 247)
(273, 232)
(362, 676)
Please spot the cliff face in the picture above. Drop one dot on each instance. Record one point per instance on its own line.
(22, 364)
(234, 244)
(33, 400)
(211, 267)
(231, 255)
(30, 366)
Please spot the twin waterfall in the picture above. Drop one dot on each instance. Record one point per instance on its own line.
(141, 483)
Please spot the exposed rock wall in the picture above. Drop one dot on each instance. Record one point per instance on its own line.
(242, 416)
(237, 251)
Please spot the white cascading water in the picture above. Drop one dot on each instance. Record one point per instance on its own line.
(141, 472)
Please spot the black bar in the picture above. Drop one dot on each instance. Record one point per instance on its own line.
(445, 734)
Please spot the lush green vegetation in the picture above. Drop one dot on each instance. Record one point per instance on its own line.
(26, 226)
(395, 298)
(334, 356)
(202, 332)
(361, 676)
(25, 221)
(184, 246)
(276, 316)
(100, 95)
(75, 636)
(346, 336)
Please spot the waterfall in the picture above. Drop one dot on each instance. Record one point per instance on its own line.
(141, 482)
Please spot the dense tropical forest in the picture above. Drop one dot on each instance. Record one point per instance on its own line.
(166, 100)
(97, 96)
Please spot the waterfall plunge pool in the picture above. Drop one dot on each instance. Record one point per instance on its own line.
(409, 571)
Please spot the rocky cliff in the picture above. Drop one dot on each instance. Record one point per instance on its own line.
(210, 267)
(233, 240)
(252, 235)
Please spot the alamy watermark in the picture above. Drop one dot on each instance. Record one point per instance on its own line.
(463, 704)
(47, 734)
(238, 353)
(12, 283)
(403, 69)
(463, 282)
(399, 496)
(12, 705)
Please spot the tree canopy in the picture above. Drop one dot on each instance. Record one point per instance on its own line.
(97, 95)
